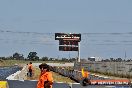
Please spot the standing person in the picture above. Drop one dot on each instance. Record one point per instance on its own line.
(45, 79)
(27, 69)
(30, 69)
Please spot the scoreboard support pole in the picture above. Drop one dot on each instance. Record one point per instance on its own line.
(78, 52)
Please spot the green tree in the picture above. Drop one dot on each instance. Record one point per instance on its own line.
(118, 59)
(33, 56)
(18, 56)
(72, 59)
(44, 58)
(51, 59)
(65, 59)
(111, 59)
(2, 58)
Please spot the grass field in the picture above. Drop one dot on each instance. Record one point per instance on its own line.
(56, 77)
(13, 62)
(21, 62)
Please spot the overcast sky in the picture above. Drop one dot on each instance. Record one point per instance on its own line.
(29, 25)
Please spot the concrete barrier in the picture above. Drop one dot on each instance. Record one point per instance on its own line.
(19, 75)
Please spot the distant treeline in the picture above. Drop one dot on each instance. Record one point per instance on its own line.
(32, 56)
(116, 60)
(110, 60)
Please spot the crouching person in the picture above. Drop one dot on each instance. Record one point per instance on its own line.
(85, 78)
(45, 79)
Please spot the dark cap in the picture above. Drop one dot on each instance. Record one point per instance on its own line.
(44, 66)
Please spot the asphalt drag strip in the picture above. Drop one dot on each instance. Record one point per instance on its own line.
(32, 84)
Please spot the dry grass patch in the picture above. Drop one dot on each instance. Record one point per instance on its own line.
(35, 75)
(59, 78)
(56, 77)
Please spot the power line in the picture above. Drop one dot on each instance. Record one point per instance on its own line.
(96, 33)
(49, 38)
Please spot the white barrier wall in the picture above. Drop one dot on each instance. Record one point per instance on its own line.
(61, 64)
(55, 64)
(19, 75)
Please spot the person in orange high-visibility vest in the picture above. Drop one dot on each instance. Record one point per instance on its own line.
(30, 69)
(45, 79)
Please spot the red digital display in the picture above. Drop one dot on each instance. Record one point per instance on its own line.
(68, 48)
(68, 42)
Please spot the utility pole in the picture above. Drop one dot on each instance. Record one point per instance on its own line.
(125, 55)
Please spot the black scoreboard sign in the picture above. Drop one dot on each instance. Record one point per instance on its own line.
(68, 42)
(64, 36)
